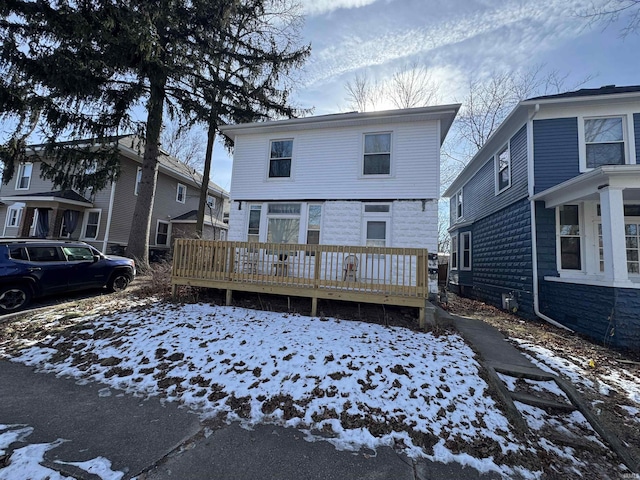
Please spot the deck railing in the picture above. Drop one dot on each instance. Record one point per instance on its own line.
(369, 274)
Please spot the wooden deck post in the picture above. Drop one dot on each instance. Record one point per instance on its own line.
(228, 297)
(314, 306)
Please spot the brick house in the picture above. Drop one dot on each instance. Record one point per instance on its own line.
(545, 219)
(346, 179)
(32, 208)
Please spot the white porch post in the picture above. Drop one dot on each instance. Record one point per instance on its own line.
(613, 234)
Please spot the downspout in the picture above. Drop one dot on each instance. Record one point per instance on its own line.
(534, 247)
(109, 215)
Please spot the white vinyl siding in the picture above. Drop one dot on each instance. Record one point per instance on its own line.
(329, 163)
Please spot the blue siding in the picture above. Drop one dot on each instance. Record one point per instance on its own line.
(555, 152)
(636, 128)
(607, 315)
(501, 257)
(479, 196)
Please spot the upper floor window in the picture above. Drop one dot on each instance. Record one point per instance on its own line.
(457, 205)
(138, 180)
(24, 176)
(604, 141)
(503, 169)
(211, 201)
(377, 154)
(280, 156)
(181, 193)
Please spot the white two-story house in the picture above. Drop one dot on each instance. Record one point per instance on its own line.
(369, 179)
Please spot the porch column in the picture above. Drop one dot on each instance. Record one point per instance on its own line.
(613, 234)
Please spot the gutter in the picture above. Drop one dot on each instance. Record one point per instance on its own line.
(534, 243)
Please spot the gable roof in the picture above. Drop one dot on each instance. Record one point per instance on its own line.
(526, 108)
(444, 113)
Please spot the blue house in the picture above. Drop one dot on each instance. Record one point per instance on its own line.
(545, 219)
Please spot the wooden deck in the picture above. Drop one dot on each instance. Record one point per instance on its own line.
(391, 276)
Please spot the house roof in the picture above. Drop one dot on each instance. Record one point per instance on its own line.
(529, 107)
(61, 196)
(130, 144)
(444, 113)
(192, 216)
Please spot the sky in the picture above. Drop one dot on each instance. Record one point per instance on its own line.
(456, 41)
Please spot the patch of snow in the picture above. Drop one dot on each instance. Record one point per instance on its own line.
(98, 466)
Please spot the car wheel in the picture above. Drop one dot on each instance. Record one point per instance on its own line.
(118, 282)
(14, 298)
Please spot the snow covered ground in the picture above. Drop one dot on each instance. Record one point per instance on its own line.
(351, 383)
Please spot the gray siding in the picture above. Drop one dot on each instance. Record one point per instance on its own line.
(479, 196)
(555, 152)
(636, 127)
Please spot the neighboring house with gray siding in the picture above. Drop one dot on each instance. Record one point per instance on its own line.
(545, 219)
(32, 208)
(345, 179)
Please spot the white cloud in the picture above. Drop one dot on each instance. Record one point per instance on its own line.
(319, 7)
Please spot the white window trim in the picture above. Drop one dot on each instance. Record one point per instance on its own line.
(454, 243)
(264, 219)
(155, 238)
(583, 241)
(184, 196)
(496, 166)
(291, 167)
(138, 179)
(377, 217)
(211, 201)
(461, 252)
(627, 139)
(85, 221)
(458, 204)
(391, 162)
(19, 176)
(307, 229)
(17, 217)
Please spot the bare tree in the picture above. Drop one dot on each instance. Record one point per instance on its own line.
(413, 86)
(184, 143)
(363, 93)
(612, 11)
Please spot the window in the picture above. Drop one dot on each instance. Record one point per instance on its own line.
(457, 206)
(91, 224)
(569, 229)
(78, 253)
(24, 176)
(138, 180)
(64, 233)
(181, 193)
(44, 254)
(503, 169)
(604, 141)
(253, 233)
(313, 224)
(377, 154)
(13, 216)
(280, 158)
(376, 233)
(162, 233)
(211, 201)
(374, 208)
(465, 248)
(283, 222)
(454, 252)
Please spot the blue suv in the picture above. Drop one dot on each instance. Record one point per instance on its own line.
(34, 268)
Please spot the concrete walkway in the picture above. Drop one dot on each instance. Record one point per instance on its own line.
(156, 441)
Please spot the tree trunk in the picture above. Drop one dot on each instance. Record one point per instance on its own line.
(204, 188)
(138, 245)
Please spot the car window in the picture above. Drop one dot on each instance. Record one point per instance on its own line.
(44, 254)
(78, 253)
(18, 253)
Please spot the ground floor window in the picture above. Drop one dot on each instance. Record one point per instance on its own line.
(465, 247)
(13, 216)
(569, 233)
(313, 224)
(283, 222)
(632, 242)
(162, 233)
(454, 252)
(91, 224)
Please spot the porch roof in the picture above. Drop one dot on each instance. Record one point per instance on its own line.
(50, 199)
(586, 186)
